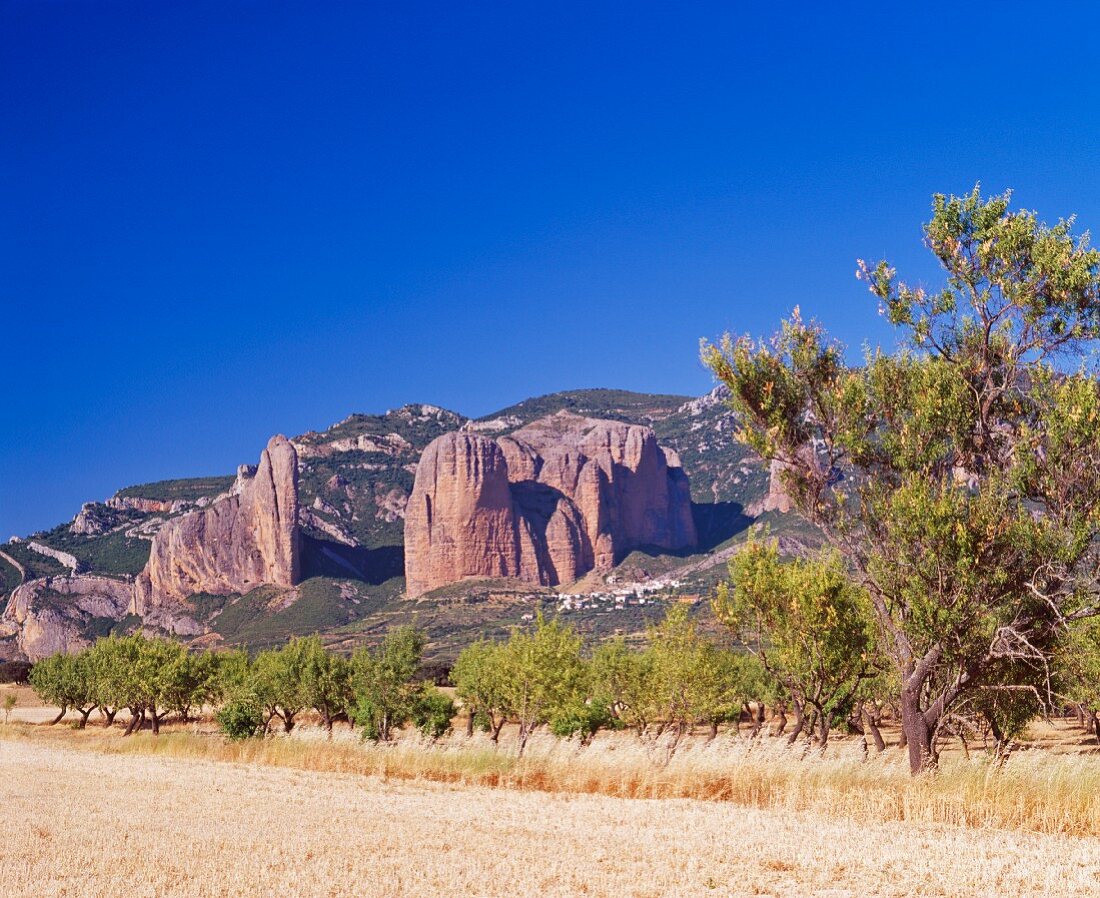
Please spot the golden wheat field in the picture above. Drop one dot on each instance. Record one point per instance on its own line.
(83, 823)
(90, 813)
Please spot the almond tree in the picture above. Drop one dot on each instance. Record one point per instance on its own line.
(63, 680)
(809, 625)
(960, 476)
(545, 674)
(386, 695)
(1079, 669)
(481, 684)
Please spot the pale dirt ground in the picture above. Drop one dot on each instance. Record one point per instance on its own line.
(80, 824)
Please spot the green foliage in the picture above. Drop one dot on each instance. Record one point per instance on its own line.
(622, 680)
(386, 695)
(10, 701)
(322, 603)
(583, 719)
(240, 718)
(188, 489)
(63, 680)
(692, 679)
(277, 680)
(112, 553)
(10, 578)
(616, 405)
(325, 680)
(432, 712)
(544, 674)
(809, 625)
(480, 679)
(34, 564)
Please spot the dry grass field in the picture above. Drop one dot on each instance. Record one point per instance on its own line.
(84, 823)
(90, 813)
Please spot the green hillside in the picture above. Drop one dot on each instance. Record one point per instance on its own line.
(614, 405)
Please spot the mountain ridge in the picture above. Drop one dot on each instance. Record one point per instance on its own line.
(354, 481)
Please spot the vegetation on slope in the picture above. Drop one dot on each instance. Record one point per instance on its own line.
(113, 553)
(614, 405)
(187, 489)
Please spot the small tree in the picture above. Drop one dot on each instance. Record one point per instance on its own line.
(385, 693)
(63, 680)
(432, 712)
(105, 670)
(277, 679)
(326, 681)
(692, 680)
(806, 621)
(1079, 673)
(190, 681)
(481, 684)
(240, 718)
(545, 674)
(622, 679)
(10, 701)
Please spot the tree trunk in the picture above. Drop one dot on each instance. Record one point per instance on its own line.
(524, 732)
(823, 730)
(497, 727)
(470, 725)
(761, 713)
(84, 715)
(137, 718)
(154, 719)
(880, 744)
(713, 731)
(108, 716)
(918, 735)
(998, 736)
(799, 723)
(64, 710)
(781, 713)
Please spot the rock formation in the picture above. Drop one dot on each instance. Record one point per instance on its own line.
(60, 614)
(240, 541)
(65, 558)
(558, 498)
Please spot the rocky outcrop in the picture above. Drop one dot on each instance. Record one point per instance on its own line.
(147, 506)
(65, 558)
(553, 501)
(93, 519)
(62, 614)
(247, 538)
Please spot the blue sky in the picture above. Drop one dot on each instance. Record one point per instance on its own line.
(223, 220)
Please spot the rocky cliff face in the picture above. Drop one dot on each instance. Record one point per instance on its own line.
(60, 614)
(240, 541)
(558, 498)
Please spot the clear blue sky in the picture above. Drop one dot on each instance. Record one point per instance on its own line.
(223, 220)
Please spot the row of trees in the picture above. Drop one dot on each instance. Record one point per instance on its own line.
(376, 690)
(808, 629)
(542, 677)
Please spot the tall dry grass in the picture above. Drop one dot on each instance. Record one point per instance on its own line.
(1034, 791)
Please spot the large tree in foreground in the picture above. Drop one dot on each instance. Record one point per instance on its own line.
(959, 476)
